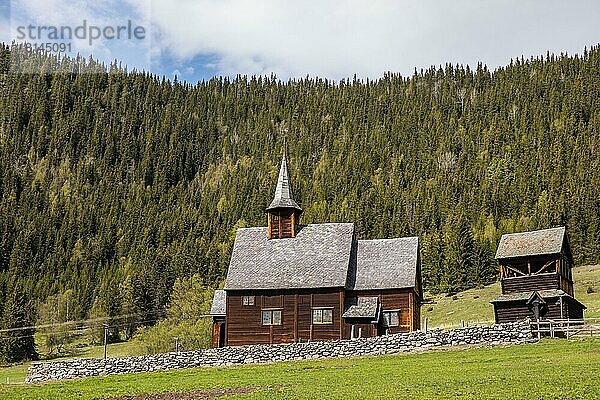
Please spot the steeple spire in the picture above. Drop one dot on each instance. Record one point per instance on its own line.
(284, 197)
(283, 212)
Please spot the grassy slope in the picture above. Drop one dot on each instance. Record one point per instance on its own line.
(554, 368)
(473, 306)
(584, 277)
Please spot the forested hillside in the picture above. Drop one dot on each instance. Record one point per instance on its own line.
(115, 184)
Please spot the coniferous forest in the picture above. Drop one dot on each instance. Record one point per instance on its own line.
(114, 185)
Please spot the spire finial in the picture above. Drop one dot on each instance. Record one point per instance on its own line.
(283, 131)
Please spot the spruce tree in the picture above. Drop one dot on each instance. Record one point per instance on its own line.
(17, 344)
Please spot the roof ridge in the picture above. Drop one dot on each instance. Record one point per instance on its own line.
(536, 231)
(389, 239)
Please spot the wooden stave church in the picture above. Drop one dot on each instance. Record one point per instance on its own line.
(291, 283)
(536, 277)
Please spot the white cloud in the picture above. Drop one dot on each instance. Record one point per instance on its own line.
(328, 38)
(76, 13)
(338, 38)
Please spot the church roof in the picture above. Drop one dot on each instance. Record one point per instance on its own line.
(318, 257)
(362, 307)
(218, 304)
(542, 242)
(284, 197)
(321, 256)
(385, 264)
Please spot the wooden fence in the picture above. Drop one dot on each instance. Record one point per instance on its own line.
(566, 327)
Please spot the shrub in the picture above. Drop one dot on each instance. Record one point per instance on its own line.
(185, 320)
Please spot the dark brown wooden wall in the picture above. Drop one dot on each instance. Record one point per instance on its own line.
(404, 299)
(218, 331)
(511, 312)
(244, 323)
(416, 306)
(366, 329)
(519, 310)
(566, 286)
(572, 309)
(530, 283)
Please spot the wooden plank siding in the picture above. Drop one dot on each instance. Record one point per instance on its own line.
(519, 310)
(530, 283)
(572, 310)
(405, 300)
(218, 332)
(281, 224)
(511, 312)
(416, 307)
(566, 286)
(244, 323)
(361, 329)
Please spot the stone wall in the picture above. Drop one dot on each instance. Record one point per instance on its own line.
(403, 342)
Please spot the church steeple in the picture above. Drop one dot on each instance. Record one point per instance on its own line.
(283, 212)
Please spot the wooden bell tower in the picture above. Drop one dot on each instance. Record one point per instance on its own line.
(283, 213)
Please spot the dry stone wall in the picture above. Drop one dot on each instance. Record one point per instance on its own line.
(389, 344)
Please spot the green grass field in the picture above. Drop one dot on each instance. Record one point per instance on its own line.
(551, 369)
(473, 305)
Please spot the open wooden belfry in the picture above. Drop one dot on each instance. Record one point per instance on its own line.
(536, 277)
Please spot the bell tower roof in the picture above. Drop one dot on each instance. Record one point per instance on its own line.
(284, 197)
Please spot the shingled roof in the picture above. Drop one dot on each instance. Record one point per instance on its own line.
(318, 257)
(218, 305)
(283, 191)
(385, 264)
(362, 307)
(524, 296)
(546, 241)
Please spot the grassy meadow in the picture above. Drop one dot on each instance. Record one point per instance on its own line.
(551, 369)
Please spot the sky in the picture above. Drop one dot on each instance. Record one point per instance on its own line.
(334, 39)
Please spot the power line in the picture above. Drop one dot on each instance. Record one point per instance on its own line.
(82, 328)
(87, 328)
(80, 322)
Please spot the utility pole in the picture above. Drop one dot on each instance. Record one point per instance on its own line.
(176, 344)
(105, 338)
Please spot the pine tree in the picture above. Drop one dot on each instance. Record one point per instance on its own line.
(17, 344)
